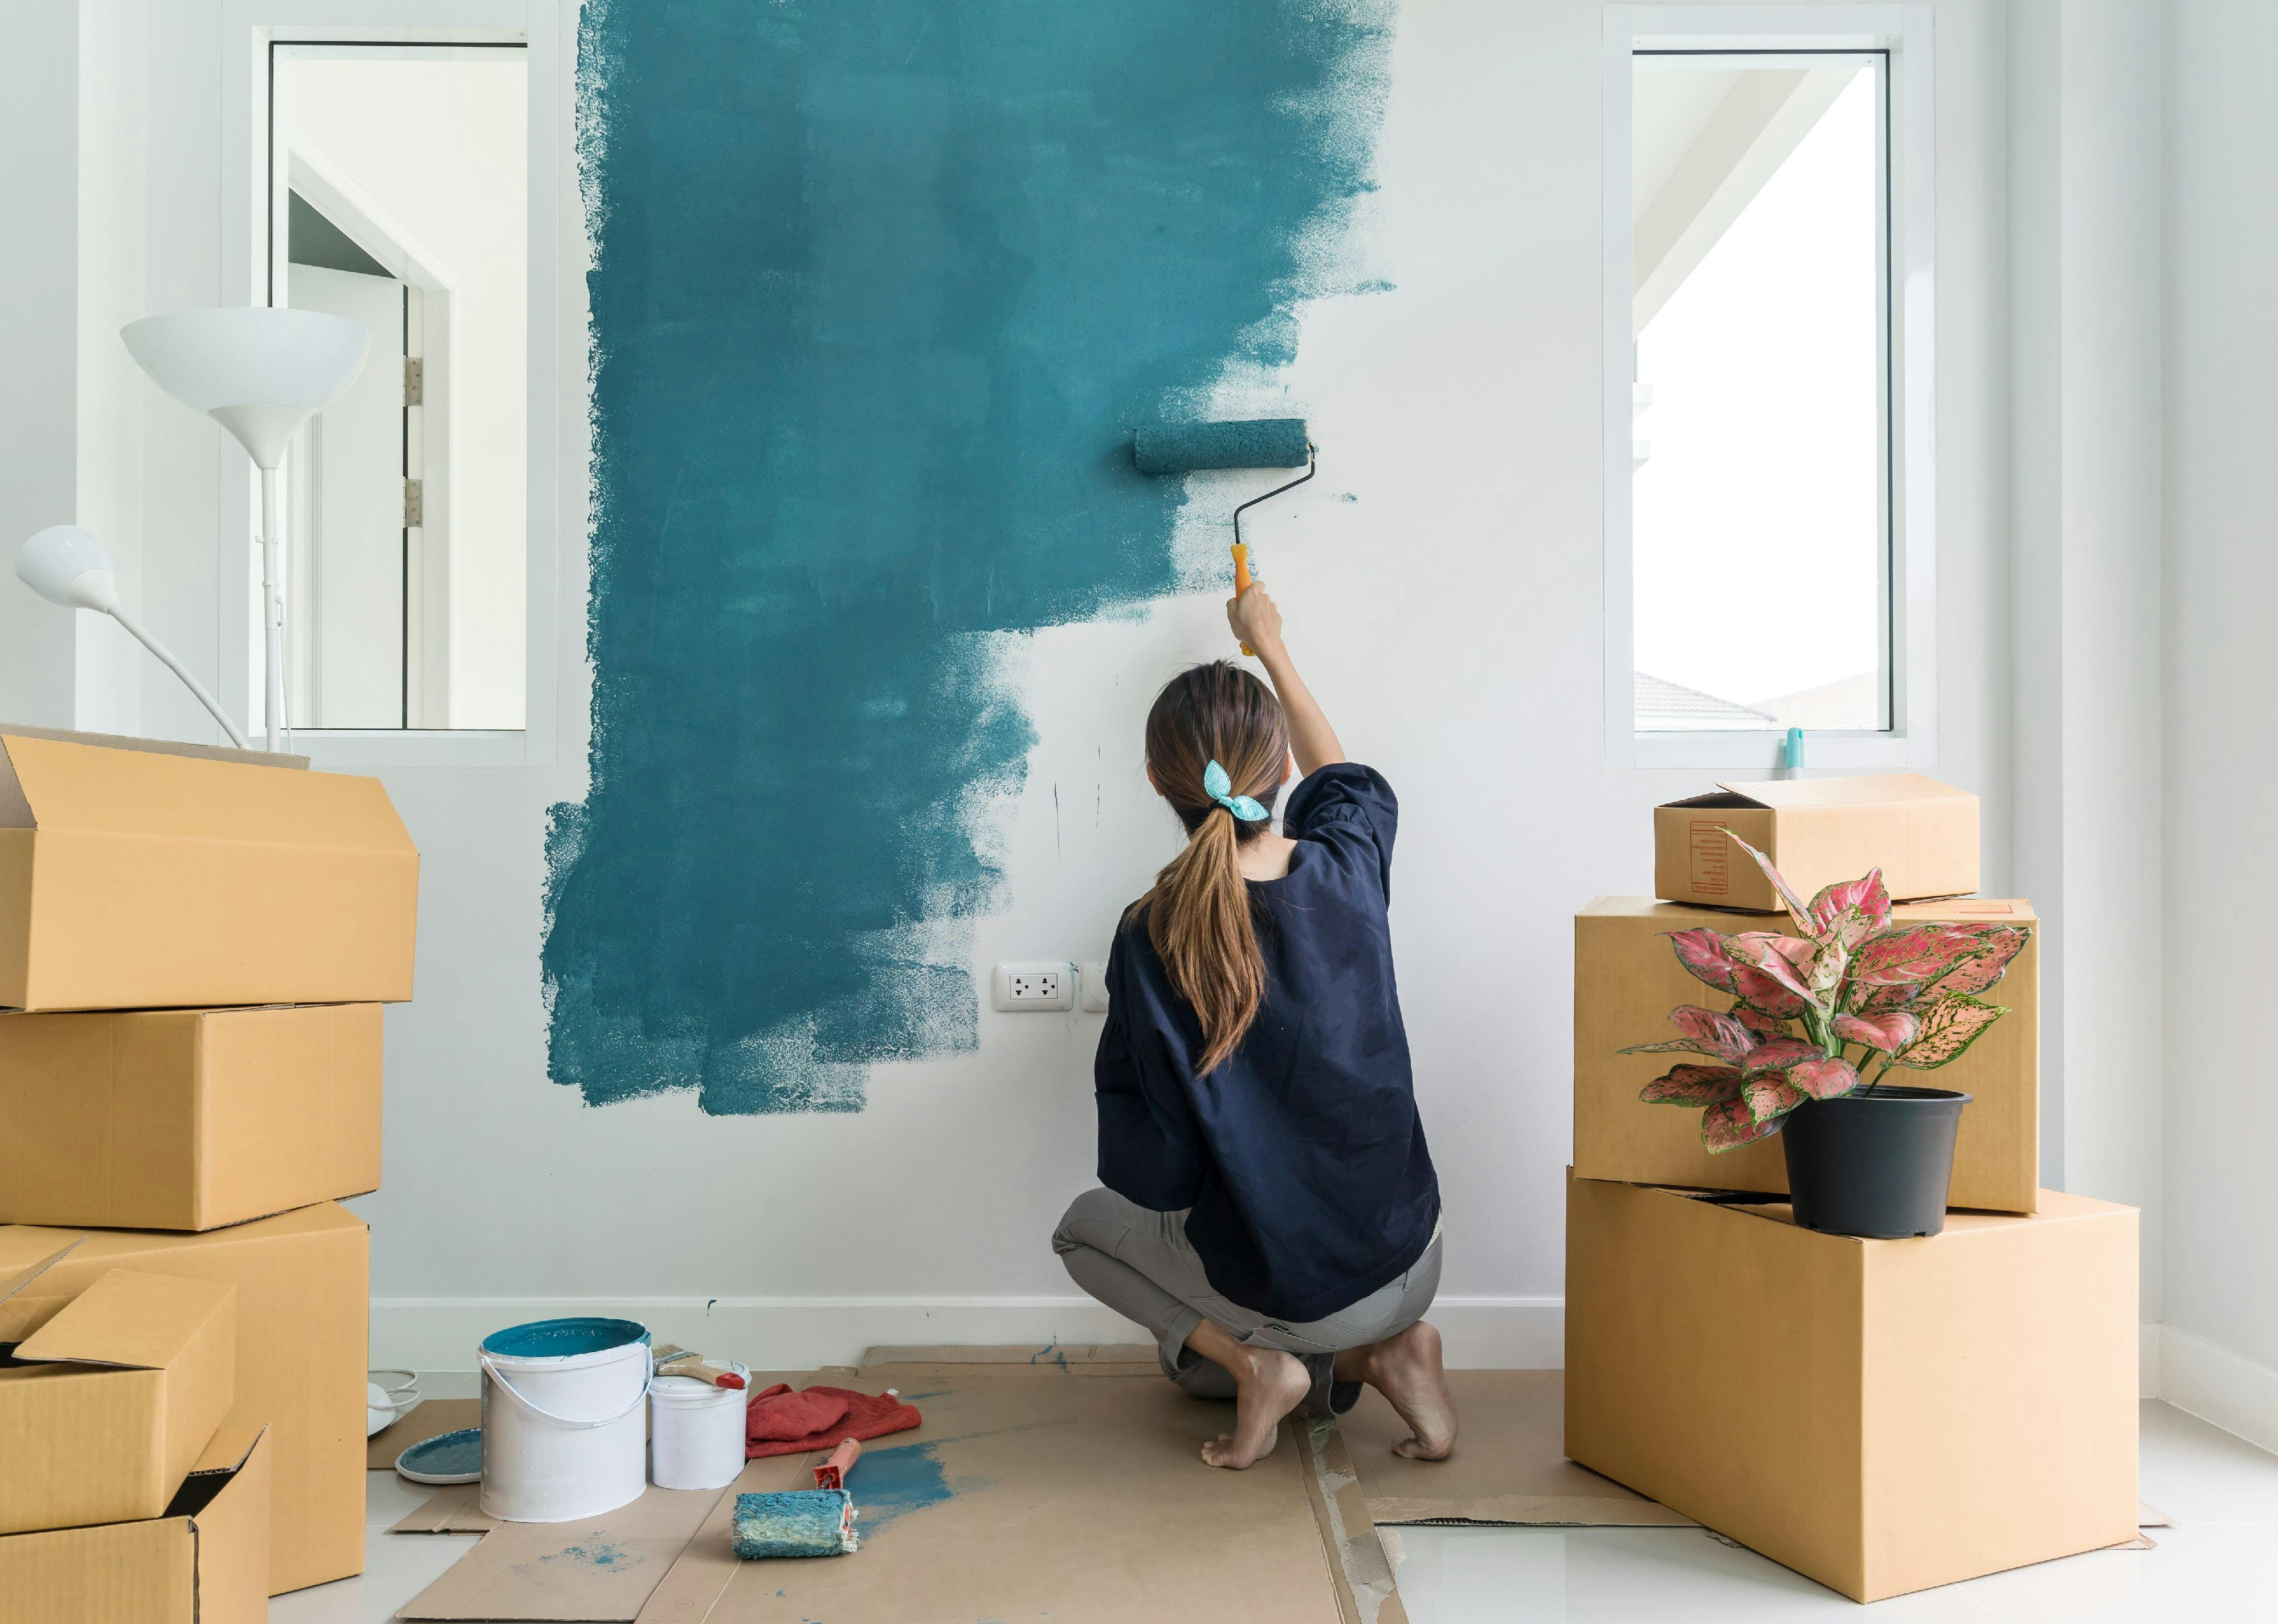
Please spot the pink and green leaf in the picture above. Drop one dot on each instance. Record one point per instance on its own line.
(1786, 959)
(1766, 1027)
(1948, 1028)
(1729, 1125)
(1976, 970)
(1887, 1032)
(1778, 1055)
(1693, 1085)
(1852, 912)
(1769, 1098)
(1708, 955)
(1720, 1035)
(1702, 953)
(1911, 953)
(1706, 1033)
(1798, 908)
(1822, 1079)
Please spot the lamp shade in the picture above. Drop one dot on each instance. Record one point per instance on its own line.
(65, 565)
(258, 370)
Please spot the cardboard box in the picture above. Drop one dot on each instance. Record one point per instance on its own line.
(187, 1119)
(105, 1406)
(135, 878)
(1626, 980)
(1883, 1415)
(206, 1561)
(1817, 832)
(303, 1317)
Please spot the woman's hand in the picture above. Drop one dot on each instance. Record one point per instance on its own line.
(1256, 619)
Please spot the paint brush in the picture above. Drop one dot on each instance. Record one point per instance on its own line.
(694, 1366)
(674, 1361)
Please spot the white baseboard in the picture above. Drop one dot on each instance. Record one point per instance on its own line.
(2236, 1393)
(804, 1333)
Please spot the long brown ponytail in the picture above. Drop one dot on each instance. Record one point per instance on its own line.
(1198, 914)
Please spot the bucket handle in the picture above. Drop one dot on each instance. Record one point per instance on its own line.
(522, 1399)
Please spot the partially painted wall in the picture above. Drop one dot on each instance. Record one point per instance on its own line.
(881, 290)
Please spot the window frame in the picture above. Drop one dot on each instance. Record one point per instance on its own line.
(1903, 32)
(251, 28)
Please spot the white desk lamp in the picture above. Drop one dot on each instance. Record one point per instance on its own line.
(259, 372)
(65, 565)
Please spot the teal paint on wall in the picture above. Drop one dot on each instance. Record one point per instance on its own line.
(881, 289)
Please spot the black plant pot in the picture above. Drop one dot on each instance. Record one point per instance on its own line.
(1875, 1165)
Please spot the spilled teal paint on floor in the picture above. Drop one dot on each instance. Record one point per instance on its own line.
(880, 288)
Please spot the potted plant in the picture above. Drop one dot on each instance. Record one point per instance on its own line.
(1817, 1020)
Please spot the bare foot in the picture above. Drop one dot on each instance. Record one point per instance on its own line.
(1406, 1369)
(1267, 1385)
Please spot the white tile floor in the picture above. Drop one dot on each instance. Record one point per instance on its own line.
(2219, 1563)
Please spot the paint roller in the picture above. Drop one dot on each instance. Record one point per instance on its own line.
(801, 1522)
(1256, 442)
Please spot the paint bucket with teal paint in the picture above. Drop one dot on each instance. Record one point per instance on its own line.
(563, 1423)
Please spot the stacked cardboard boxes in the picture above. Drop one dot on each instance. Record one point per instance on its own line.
(1883, 1415)
(193, 948)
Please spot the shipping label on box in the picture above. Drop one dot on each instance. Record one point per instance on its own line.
(187, 1119)
(303, 1318)
(169, 880)
(1627, 979)
(206, 1561)
(1817, 833)
(1883, 1415)
(104, 1407)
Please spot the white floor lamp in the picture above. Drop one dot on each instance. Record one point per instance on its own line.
(259, 372)
(65, 565)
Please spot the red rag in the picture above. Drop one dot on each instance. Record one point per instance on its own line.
(771, 1416)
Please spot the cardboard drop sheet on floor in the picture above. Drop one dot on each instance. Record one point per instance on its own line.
(1069, 1487)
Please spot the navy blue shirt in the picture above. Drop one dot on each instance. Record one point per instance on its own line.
(1301, 1156)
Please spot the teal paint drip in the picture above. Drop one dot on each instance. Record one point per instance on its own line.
(881, 290)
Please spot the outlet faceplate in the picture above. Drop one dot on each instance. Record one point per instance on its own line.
(1044, 985)
(1094, 987)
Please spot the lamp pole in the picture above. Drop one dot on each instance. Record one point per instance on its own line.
(273, 617)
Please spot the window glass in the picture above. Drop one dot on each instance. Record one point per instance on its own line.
(1760, 508)
(400, 194)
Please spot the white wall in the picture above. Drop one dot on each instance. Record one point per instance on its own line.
(2085, 290)
(39, 114)
(1449, 618)
(2219, 721)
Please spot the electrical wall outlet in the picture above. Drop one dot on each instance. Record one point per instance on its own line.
(1094, 987)
(1048, 983)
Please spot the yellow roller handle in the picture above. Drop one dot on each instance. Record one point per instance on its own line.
(1242, 581)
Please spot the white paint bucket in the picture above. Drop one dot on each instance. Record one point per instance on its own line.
(562, 1405)
(695, 1431)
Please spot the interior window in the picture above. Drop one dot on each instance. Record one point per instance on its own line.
(400, 198)
(1761, 467)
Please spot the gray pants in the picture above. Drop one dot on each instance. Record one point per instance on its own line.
(1139, 1263)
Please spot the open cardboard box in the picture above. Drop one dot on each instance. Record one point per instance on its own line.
(303, 1315)
(204, 1561)
(138, 875)
(104, 1407)
(187, 1119)
(1881, 1416)
(1817, 832)
(1626, 980)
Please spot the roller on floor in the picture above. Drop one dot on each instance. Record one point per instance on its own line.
(801, 1522)
(1255, 443)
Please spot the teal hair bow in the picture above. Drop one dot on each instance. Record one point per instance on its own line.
(1219, 788)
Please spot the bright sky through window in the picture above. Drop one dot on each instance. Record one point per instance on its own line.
(1757, 545)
